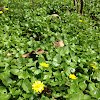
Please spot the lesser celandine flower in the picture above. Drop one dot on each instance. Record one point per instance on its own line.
(92, 63)
(72, 76)
(30, 4)
(38, 86)
(44, 64)
(94, 67)
(1, 12)
(6, 9)
(80, 20)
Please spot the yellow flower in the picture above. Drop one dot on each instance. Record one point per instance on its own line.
(94, 67)
(30, 4)
(80, 20)
(92, 63)
(72, 76)
(38, 86)
(6, 9)
(44, 64)
(1, 12)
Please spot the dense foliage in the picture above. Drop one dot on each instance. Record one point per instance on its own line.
(73, 70)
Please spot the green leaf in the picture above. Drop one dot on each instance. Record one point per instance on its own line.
(44, 98)
(96, 75)
(57, 74)
(66, 50)
(20, 98)
(27, 86)
(26, 96)
(77, 96)
(46, 75)
(38, 71)
(86, 97)
(23, 74)
(20, 83)
(7, 81)
(53, 83)
(57, 95)
(86, 77)
(61, 51)
(98, 85)
(82, 85)
(15, 91)
(29, 64)
(14, 71)
(95, 92)
(57, 58)
(5, 97)
(2, 90)
(55, 64)
(2, 64)
(91, 86)
(69, 69)
(41, 59)
(48, 57)
(6, 28)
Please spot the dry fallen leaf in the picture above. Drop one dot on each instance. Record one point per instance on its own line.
(9, 54)
(42, 51)
(68, 82)
(47, 90)
(61, 43)
(46, 52)
(55, 15)
(39, 51)
(58, 43)
(26, 55)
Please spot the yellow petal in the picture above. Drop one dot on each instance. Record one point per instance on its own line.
(1, 12)
(38, 86)
(80, 21)
(6, 9)
(92, 63)
(94, 67)
(44, 64)
(72, 76)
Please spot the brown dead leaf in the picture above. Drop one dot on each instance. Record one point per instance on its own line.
(9, 54)
(55, 15)
(41, 52)
(61, 43)
(47, 90)
(39, 49)
(36, 52)
(58, 43)
(46, 52)
(26, 55)
(68, 82)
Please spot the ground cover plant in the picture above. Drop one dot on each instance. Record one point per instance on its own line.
(48, 51)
